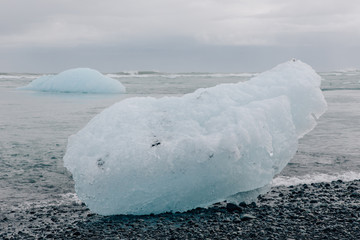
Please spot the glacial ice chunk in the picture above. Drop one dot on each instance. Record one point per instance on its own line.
(145, 155)
(83, 80)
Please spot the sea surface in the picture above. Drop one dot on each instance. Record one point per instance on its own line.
(34, 127)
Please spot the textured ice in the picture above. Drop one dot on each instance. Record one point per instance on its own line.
(146, 155)
(83, 80)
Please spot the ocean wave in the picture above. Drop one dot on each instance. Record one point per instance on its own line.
(340, 89)
(17, 76)
(42, 200)
(348, 70)
(314, 178)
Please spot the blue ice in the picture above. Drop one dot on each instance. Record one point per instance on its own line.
(77, 80)
(145, 155)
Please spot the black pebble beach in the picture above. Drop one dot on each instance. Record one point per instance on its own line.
(309, 211)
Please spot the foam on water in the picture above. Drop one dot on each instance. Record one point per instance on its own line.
(66, 199)
(16, 76)
(314, 178)
(145, 155)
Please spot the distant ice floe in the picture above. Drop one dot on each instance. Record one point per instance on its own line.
(145, 155)
(78, 80)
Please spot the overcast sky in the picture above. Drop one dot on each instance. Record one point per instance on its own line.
(177, 35)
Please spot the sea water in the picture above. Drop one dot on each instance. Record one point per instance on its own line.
(35, 126)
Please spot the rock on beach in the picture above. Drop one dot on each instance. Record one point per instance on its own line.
(309, 211)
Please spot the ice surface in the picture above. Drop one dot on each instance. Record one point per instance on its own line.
(146, 155)
(84, 80)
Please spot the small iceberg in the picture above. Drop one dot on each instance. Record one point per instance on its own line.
(145, 155)
(77, 80)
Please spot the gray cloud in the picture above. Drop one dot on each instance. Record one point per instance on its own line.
(40, 35)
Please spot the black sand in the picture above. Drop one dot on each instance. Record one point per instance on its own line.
(316, 211)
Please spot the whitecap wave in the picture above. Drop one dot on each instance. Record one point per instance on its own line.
(314, 178)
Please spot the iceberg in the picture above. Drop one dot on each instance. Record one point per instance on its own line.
(145, 155)
(77, 80)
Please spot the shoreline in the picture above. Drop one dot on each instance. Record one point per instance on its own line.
(307, 211)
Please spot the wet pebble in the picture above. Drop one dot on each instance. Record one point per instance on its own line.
(307, 211)
(231, 207)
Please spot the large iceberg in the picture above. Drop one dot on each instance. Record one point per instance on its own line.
(145, 155)
(83, 80)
